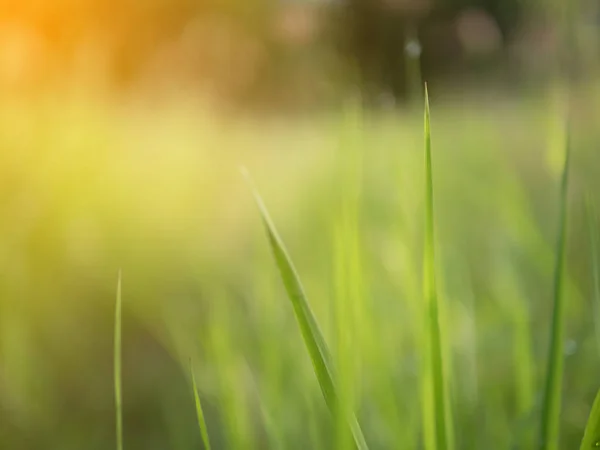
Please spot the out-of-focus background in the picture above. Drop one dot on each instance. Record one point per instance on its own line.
(122, 129)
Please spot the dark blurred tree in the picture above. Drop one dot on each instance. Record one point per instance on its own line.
(381, 34)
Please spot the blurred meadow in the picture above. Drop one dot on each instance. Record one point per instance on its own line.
(124, 129)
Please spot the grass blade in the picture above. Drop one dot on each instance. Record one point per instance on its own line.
(591, 436)
(552, 391)
(199, 412)
(592, 220)
(311, 334)
(117, 368)
(436, 412)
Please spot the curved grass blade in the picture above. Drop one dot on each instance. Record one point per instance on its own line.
(552, 392)
(311, 334)
(436, 414)
(117, 368)
(199, 412)
(591, 436)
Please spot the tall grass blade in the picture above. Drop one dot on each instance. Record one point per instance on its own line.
(311, 334)
(436, 413)
(591, 436)
(552, 392)
(350, 319)
(117, 368)
(199, 412)
(592, 220)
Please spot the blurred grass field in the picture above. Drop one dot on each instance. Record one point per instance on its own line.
(90, 186)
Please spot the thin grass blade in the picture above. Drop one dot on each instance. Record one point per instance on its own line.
(311, 333)
(592, 220)
(199, 411)
(117, 368)
(552, 392)
(436, 414)
(591, 436)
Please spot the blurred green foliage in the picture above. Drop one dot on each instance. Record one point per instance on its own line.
(90, 186)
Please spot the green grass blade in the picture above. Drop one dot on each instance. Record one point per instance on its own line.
(591, 436)
(592, 220)
(311, 334)
(552, 392)
(199, 412)
(438, 412)
(117, 368)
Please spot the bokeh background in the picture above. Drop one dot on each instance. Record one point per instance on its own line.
(123, 126)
